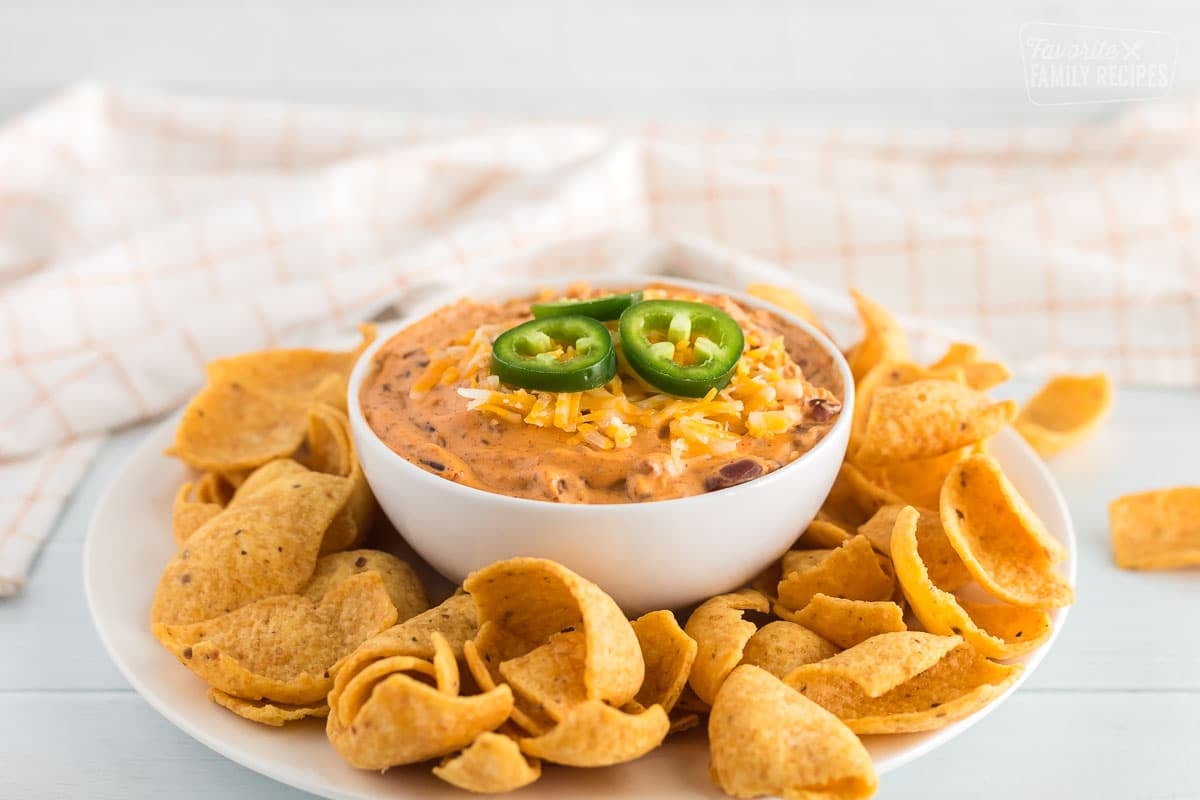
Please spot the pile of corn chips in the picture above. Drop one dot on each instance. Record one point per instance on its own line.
(899, 608)
(266, 595)
(891, 462)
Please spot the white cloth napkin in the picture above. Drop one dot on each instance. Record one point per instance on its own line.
(142, 234)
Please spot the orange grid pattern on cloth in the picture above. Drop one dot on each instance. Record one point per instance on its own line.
(143, 234)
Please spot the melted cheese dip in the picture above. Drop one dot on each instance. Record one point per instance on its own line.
(431, 399)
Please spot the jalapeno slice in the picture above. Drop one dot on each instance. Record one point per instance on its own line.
(603, 308)
(557, 354)
(650, 332)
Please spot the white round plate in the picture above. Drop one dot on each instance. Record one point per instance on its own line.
(129, 542)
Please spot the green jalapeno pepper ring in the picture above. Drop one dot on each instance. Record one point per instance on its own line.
(524, 356)
(651, 329)
(604, 308)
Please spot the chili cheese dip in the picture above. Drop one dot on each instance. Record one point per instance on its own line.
(432, 399)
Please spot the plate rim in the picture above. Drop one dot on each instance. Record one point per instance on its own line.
(151, 446)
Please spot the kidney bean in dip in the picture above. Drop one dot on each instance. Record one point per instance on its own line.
(431, 398)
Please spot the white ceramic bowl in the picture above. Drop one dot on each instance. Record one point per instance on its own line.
(664, 554)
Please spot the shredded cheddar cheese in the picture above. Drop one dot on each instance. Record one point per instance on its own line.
(765, 397)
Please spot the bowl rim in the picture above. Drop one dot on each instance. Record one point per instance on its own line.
(507, 289)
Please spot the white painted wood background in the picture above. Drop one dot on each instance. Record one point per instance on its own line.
(871, 61)
(1115, 710)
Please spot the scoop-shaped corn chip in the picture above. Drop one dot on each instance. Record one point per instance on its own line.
(217, 487)
(802, 560)
(720, 634)
(264, 711)
(235, 478)
(442, 673)
(845, 623)
(997, 631)
(491, 765)
(787, 299)
(977, 373)
(262, 477)
(985, 375)
(781, 646)
(255, 406)
(669, 654)
(282, 648)
(1064, 412)
(1021, 629)
(264, 544)
(357, 690)
(918, 483)
(483, 655)
(945, 567)
(957, 354)
(886, 375)
(928, 418)
(197, 503)
(405, 721)
(454, 619)
(536, 598)
(445, 665)
(852, 571)
(330, 448)
(883, 338)
(189, 513)
(550, 675)
(766, 739)
(881, 663)
(766, 582)
(301, 371)
(230, 426)
(998, 537)
(823, 533)
(854, 498)
(402, 583)
(689, 703)
(492, 646)
(594, 734)
(298, 372)
(871, 694)
(1157, 530)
